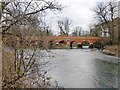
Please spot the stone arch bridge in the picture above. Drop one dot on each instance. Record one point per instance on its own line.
(71, 41)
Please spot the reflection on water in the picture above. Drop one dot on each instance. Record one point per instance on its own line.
(82, 68)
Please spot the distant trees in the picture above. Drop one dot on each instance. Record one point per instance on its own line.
(105, 13)
(77, 31)
(64, 26)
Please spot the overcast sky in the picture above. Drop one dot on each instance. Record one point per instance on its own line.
(79, 11)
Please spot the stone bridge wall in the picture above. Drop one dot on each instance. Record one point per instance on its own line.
(68, 40)
(57, 39)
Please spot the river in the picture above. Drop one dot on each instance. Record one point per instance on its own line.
(82, 68)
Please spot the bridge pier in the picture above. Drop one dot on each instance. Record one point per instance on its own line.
(68, 44)
(79, 46)
(91, 46)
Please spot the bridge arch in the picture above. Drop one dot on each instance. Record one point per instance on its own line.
(97, 44)
(62, 42)
(73, 44)
(50, 44)
(85, 43)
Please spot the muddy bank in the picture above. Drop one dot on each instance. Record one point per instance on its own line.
(112, 50)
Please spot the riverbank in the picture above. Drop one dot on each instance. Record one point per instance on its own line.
(112, 50)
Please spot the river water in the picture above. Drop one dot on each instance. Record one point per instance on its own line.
(82, 68)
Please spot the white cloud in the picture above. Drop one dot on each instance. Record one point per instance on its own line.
(79, 11)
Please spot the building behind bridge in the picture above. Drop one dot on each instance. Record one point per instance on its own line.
(101, 30)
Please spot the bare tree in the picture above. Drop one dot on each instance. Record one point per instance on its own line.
(64, 26)
(105, 14)
(17, 14)
(77, 31)
(18, 18)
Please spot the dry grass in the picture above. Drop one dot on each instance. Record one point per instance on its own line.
(8, 72)
(114, 49)
(7, 62)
